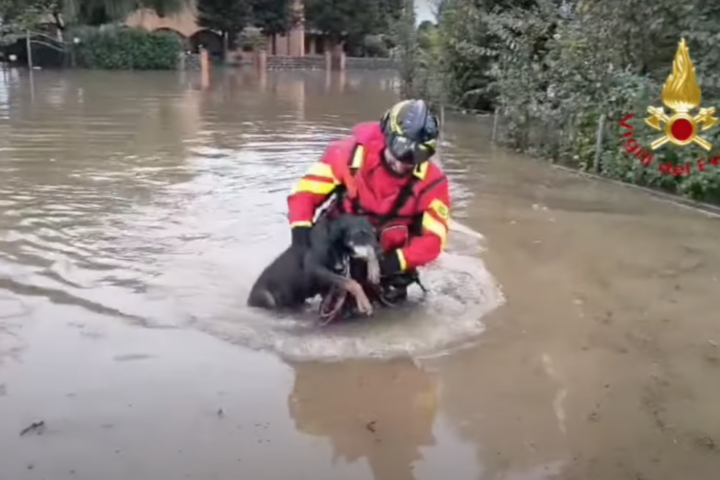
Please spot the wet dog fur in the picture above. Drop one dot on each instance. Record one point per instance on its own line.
(300, 273)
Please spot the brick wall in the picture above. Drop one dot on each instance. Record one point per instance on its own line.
(367, 63)
(318, 62)
(277, 62)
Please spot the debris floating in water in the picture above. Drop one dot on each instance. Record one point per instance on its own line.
(37, 427)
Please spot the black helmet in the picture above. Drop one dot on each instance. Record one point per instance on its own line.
(411, 131)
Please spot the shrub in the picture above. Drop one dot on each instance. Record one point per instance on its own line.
(554, 67)
(251, 39)
(127, 49)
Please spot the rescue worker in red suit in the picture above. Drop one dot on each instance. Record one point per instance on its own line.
(398, 188)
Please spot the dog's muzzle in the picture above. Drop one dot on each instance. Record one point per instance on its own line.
(364, 252)
(369, 255)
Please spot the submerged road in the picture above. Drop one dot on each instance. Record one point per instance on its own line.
(576, 338)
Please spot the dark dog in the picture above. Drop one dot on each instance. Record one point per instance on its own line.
(300, 273)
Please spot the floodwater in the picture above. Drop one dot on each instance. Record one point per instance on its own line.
(575, 339)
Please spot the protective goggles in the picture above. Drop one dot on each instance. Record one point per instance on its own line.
(408, 151)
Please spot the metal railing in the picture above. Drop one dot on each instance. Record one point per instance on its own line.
(39, 38)
(55, 44)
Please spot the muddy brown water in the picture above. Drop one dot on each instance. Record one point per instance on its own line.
(577, 340)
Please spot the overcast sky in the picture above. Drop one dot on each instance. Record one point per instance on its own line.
(423, 10)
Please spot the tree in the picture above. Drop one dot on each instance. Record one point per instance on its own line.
(407, 40)
(97, 12)
(228, 17)
(426, 33)
(24, 14)
(539, 63)
(27, 13)
(391, 11)
(273, 17)
(425, 26)
(351, 20)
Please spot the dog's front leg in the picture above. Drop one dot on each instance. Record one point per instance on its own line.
(356, 290)
(327, 278)
(349, 285)
(315, 263)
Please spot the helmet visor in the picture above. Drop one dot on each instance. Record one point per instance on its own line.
(410, 152)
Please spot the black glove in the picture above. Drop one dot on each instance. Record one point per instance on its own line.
(301, 236)
(390, 264)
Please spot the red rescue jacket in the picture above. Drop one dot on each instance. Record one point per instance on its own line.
(416, 228)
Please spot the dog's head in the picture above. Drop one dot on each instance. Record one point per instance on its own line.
(356, 235)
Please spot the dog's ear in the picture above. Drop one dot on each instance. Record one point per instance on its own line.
(336, 229)
(342, 227)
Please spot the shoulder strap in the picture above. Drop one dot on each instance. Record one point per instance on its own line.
(355, 161)
(356, 158)
(431, 185)
(407, 193)
(337, 195)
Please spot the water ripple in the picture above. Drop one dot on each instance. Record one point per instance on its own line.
(158, 205)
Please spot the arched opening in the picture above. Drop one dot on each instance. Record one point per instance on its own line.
(46, 51)
(185, 41)
(208, 39)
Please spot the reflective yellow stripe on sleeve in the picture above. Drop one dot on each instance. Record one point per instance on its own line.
(401, 260)
(323, 170)
(313, 186)
(300, 224)
(436, 227)
(319, 180)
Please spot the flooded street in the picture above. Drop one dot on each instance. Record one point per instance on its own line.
(576, 338)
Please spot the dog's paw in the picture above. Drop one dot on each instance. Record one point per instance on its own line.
(364, 305)
(262, 299)
(269, 299)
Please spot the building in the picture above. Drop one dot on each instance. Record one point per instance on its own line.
(296, 43)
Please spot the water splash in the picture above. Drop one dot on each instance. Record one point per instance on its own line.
(461, 293)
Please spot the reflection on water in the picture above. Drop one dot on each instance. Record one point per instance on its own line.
(158, 203)
(383, 412)
(504, 416)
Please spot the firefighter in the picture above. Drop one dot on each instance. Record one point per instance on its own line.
(396, 186)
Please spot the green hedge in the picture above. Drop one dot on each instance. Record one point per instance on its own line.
(554, 72)
(617, 163)
(127, 49)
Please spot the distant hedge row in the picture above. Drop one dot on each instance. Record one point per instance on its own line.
(126, 49)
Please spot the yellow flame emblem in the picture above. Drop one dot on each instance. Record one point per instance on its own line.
(681, 94)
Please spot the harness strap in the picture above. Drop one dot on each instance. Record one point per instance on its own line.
(357, 158)
(356, 161)
(431, 185)
(406, 193)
